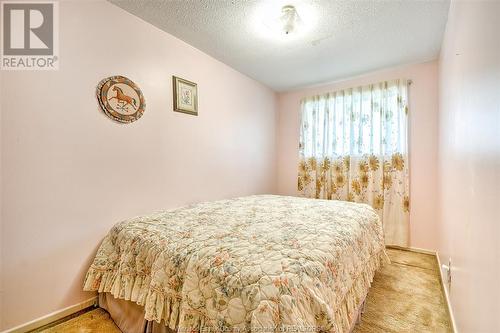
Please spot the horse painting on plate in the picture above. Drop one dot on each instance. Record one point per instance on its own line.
(120, 99)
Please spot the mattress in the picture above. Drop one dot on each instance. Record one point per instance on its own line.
(260, 263)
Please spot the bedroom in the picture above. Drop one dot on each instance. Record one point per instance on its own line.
(319, 135)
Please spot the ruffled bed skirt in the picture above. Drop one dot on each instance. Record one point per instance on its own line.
(162, 307)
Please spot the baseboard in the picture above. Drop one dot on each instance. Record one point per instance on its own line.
(52, 317)
(446, 296)
(412, 249)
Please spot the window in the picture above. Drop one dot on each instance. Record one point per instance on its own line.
(369, 120)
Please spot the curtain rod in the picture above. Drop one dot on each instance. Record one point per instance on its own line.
(408, 81)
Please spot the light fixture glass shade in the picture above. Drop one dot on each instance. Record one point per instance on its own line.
(289, 19)
(273, 20)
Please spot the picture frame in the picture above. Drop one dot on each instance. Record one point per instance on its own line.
(185, 96)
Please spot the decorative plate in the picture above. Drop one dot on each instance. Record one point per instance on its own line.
(120, 99)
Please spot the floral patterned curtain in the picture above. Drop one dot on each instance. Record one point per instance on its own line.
(354, 147)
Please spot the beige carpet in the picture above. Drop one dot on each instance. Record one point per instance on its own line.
(405, 296)
(97, 320)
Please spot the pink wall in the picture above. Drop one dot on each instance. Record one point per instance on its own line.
(69, 173)
(423, 142)
(469, 162)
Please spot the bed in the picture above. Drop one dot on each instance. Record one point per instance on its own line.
(260, 263)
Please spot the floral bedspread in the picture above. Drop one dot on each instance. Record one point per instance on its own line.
(260, 263)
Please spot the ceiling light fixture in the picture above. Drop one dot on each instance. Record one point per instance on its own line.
(284, 21)
(290, 19)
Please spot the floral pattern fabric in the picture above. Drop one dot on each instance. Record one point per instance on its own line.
(260, 263)
(354, 147)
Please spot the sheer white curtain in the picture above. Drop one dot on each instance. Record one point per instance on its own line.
(354, 146)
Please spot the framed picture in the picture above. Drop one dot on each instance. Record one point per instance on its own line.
(185, 96)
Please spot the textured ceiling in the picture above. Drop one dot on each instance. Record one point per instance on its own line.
(339, 39)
